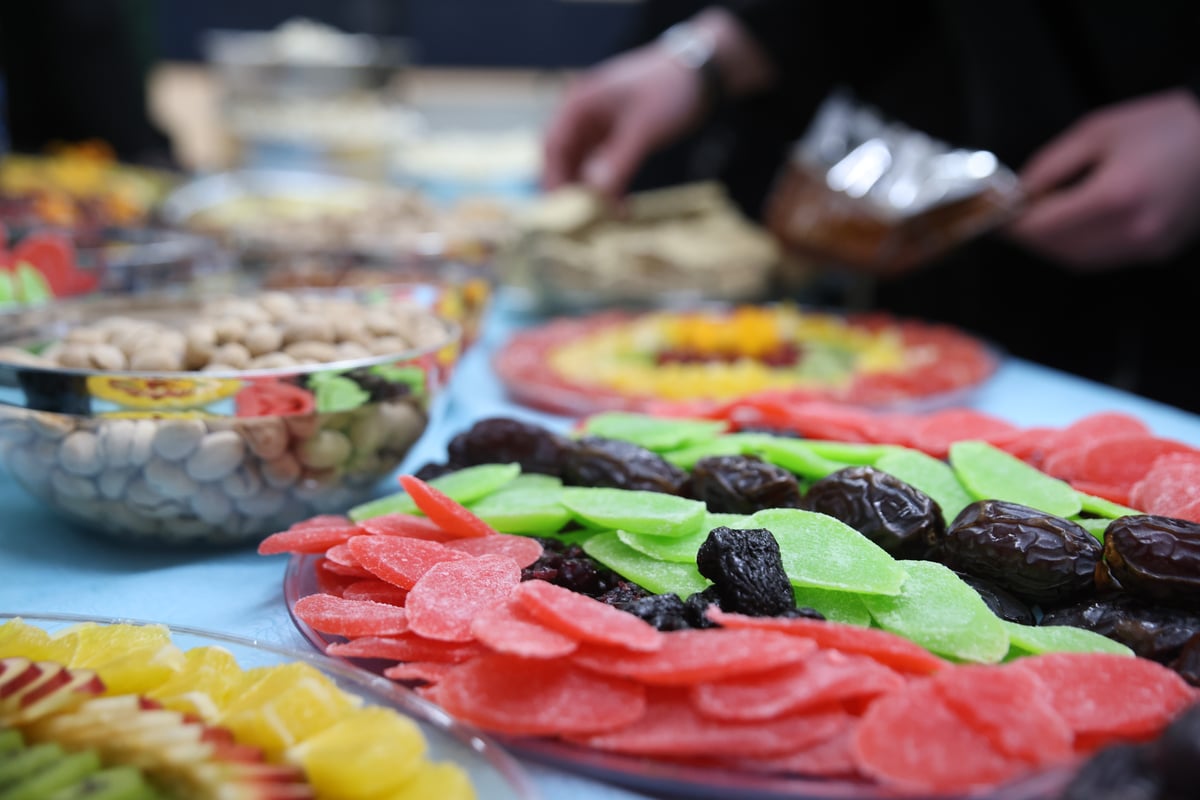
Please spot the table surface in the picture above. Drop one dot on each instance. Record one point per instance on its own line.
(51, 566)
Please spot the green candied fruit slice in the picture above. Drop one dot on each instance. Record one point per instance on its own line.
(849, 453)
(653, 433)
(465, 486)
(826, 553)
(1095, 526)
(1029, 640)
(675, 549)
(660, 577)
(845, 607)
(939, 611)
(636, 511)
(533, 511)
(688, 457)
(797, 456)
(31, 285)
(989, 473)
(931, 475)
(1101, 507)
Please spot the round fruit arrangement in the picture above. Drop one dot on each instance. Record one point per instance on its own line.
(626, 361)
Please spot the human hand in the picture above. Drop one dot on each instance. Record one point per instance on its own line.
(614, 116)
(1120, 186)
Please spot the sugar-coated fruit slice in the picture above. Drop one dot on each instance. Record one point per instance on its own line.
(989, 473)
(1124, 460)
(652, 432)
(825, 677)
(660, 577)
(412, 526)
(798, 456)
(342, 617)
(521, 549)
(729, 445)
(652, 513)
(675, 549)
(1171, 487)
(464, 486)
(691, 656)
(886, 648)
(406, 646)
(536, 697)
(399, 560)
(939, 611)
(931, 475)
(671, 726)
(826, 553)
(444, 601)
(309, 538)
(1105, 507)
(532, 511)
(1031, 639)
(830, 758)
(380, 591)
(426, 672)
(1105, 697)
(447, 512)
(584, 618)
(847, 607)
(913, 740)
(1011, 708)
(934, 433)
(510, 628)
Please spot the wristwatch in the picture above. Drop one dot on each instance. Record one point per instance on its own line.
(696, 49)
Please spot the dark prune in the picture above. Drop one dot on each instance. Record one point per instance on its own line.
(568, 566)
(1003, 604)
(1187, 664)
(433, 469)
(743, 484)
(1176, 754)
(664, 611)
(746, 569)
(1154, 557)
(697, 605)
(1038, 557)
(502, 440)
(895, 515)
(1151, 630)
(623, 592)
(1118, 772)
(617, 464)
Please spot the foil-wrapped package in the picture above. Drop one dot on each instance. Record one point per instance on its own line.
(864, 191)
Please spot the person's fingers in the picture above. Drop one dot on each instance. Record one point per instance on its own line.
(1081, 225)
(611, 168)
(1065, 158)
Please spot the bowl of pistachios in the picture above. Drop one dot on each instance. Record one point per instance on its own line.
(186, 419)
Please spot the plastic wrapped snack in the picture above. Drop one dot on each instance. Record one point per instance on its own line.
(864, 191)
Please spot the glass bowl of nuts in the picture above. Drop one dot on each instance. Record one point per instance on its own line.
(183, 419)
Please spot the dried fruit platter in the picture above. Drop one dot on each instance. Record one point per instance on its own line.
(589, 639)
(143, 710)
(620, 360)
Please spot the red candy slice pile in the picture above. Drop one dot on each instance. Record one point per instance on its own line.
(772, 695)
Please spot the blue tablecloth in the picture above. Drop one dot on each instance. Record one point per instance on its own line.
(51, 566)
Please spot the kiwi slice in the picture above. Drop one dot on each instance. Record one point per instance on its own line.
(67, 770)
(114, 783)
(22, 763)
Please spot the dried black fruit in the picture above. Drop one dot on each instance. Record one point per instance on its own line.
(1003, 604)
(616, 464)
(1038, 557)
(1176, 754)
(502, 440)
(697, 607)
(1154, 556)
(743, 484)
(1119, 772)
(1151, 630)
(568, 566)
(1187, 664)
(664, 611)
(746, 569)
(895, 515)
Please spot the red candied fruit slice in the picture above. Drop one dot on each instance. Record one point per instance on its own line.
(407, 525)
(1170, 488)
(672, 727)
(451, 594)
(375, 589)
(1011, 707)
(912, 740)
(1105, 697)
(350, 618)
(307, 537)
(886, 648)
(329, 579)
(935, 432)
(528, 696)
(585, 619)
(398, 560)
(1102, 425)
(406, 646)
(1031, 445)
(452, 516)
(509, 628)
(522, 549)
(428, 672)
(692, 656)
(813, 419)
(1117, 494)
(827, 676)
(831, 758)
(1124, 460)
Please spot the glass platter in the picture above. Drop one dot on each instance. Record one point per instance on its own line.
(494, 773)
(665, 779)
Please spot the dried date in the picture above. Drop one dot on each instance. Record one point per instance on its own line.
(743, 485)
(502, 440)
(1151, 630)
(895, 515)
(616, 464)
(1153, 556)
